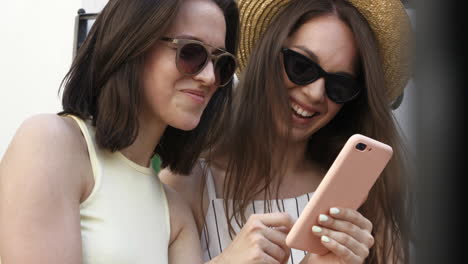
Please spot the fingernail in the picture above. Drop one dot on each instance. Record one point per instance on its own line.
(323, 218)
(334, 211)
(316, 229)
(325, 239)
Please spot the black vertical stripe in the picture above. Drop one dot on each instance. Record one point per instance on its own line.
(292, 259)
(282, 202)
(297, 206)
(206, 240)
(308, 197)
(217, 229)
(253, 207)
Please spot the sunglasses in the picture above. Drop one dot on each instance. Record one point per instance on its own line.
(193, 56)
(301, 70)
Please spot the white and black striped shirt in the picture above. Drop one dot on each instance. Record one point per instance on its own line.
(215, 235)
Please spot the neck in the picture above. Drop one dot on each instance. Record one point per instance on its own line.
(298, 173)
(142, 149)
(295, 158)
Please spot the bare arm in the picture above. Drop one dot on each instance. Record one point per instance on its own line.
(184, 245)
(189, 189)
(41, 185)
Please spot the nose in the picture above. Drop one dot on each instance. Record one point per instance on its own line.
(207, 75)
(315, 91)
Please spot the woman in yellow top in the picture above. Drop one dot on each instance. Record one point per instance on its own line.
(318, 71)
(78, 187)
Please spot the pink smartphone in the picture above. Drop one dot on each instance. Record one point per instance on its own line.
(346, 184)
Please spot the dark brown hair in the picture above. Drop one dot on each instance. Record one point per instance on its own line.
(104, 83)
(252, 140)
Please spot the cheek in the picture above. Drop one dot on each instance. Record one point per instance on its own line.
(158, 90)
(333, 110)
(160, 63)
(160, 74)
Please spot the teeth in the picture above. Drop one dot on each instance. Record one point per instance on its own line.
(301, 112)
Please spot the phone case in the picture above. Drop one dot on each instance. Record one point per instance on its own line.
(346, 184)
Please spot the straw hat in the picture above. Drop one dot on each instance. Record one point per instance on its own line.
(387, 18)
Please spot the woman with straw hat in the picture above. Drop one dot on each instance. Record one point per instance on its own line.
(78, 188)
(313, 73)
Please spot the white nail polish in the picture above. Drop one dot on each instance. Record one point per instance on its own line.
(325, 239)
(316, 229)
(334, 211)
(323, 218)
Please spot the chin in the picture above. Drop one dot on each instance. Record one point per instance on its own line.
(301, 136)
(186, 123)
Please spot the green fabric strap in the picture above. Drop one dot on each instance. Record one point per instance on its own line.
(156, 163)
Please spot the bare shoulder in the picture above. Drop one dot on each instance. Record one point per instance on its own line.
(46, 129)
(179, 211)
(184, 234)
(45, 147)
(188, 186)
(176, 203)
(41, 185)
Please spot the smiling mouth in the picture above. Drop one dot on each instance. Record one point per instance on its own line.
(195, 95)
(302, 113)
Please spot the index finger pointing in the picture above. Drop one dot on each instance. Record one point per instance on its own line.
(276, 220)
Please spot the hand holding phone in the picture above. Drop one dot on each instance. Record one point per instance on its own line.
(346, 184)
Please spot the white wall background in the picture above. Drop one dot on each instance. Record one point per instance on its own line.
(93, 6)
(36, 40)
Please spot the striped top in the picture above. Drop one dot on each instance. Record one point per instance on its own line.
(215, 234)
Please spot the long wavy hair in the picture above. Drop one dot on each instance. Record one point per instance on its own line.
(105, 83)
(250, 141)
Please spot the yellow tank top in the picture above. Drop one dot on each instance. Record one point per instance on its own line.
(125, 219)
